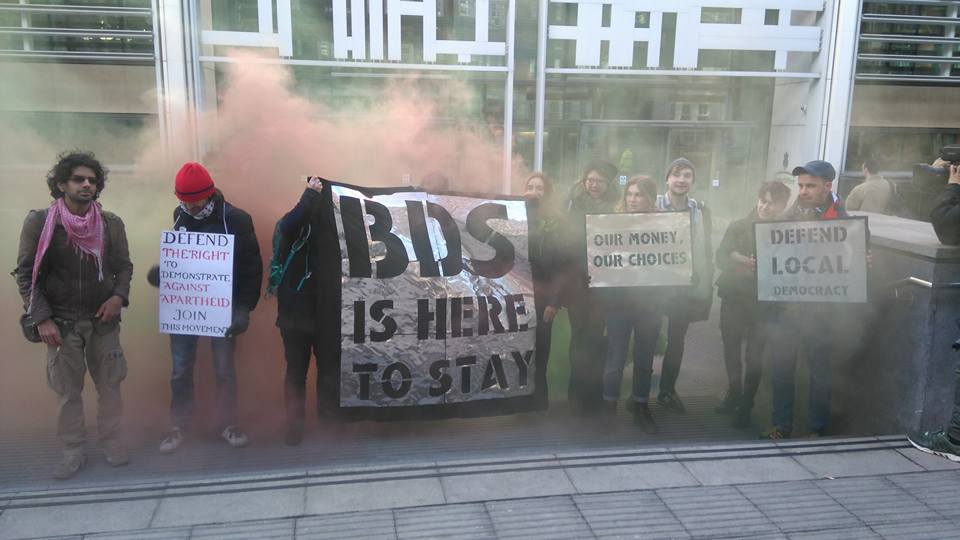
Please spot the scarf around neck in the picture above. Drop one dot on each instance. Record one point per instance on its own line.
(84, 234)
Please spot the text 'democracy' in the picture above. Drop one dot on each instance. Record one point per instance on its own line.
(196, 283)
(812, 261)
(639, 250)
(437, 299)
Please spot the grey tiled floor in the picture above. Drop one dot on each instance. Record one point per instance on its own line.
(910, 505)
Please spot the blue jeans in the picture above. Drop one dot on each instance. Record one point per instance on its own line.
(644, 324)
(184, 352)
(810, 332)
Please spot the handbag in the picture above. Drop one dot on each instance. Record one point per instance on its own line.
(29, 328)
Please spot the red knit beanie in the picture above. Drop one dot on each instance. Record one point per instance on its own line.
(193, 183)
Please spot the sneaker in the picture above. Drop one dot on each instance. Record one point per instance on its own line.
(115, 452)
(294, 436)
(172, 441)
(937, 443)
(775, 434)
(235, 436)
(643, 419)
(671, 401)
(69, 465)
(729, 403)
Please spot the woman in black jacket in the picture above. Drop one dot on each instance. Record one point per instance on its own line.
(595, 193)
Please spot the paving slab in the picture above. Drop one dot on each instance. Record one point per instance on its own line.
(716, 512)
(274, 529)
(929, 462)
(506, 485)
(629, 515)
(228, 507)
(630, 477)
(870, 462)
(923, 530)
(461, 521)
(936, 490)
(876, 500)
(547, 518)
(74, 519)
(363, 496)
(798, 506)
(166, 533)
(375, 525)
(854, 533)
(723, 472)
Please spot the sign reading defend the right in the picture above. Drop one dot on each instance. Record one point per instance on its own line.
(812, 261)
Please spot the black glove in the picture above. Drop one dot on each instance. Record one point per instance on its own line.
(153, 275)
(241, 321)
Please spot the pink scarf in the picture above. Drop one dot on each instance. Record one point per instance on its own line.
(84, 233)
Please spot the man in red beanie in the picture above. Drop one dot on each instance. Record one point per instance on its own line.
(203, 209)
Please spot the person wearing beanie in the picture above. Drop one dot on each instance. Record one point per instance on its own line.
(203, 209)
(693, 303)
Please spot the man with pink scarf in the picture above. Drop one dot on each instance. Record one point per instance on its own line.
(74, 270)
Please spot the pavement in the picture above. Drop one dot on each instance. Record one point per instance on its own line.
(870, 487)
(537, 475)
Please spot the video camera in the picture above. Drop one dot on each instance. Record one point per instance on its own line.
(929, 178)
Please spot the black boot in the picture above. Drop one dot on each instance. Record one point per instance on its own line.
(729, 404)
(741, 417)
(643, 419)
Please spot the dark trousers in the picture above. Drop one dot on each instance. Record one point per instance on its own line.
(587, 353)
(740, 320)
(541, 357)
(678, 322)
(954, 430)
(297, 349)
(810, 332)
(183, 349)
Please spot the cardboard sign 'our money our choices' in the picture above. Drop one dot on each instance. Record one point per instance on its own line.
(639, 250)
(812, 261)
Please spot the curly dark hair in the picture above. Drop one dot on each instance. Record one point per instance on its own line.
(66, 163)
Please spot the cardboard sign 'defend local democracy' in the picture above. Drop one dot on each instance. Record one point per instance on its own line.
(812, 261)
(437, 299)
(639, 250)
(196, 283)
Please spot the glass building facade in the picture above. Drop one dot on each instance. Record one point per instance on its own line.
(745, 92)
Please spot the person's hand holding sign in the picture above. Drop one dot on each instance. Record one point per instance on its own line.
(549, 313)
(314, 183)
(241, 321)
(748, 262)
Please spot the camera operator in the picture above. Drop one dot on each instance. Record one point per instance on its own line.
(945, 215)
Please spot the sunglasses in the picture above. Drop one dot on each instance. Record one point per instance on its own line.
(79, 179)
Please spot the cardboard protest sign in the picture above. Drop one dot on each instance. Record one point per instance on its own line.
(639, 250)
(437, 299)
(196, 283)
(812, 261)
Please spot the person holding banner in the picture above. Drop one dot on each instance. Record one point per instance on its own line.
(692, 304)
(594, 193)
(633, 311)
(807, 326)
(740, 312)
(542, 241)
(73, 272)
(203, 209)
(304, 275)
